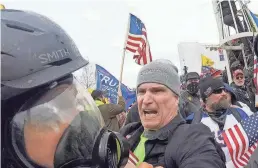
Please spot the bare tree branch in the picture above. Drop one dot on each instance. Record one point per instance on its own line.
(87, 77)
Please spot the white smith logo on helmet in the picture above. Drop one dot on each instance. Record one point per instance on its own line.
(54, 56)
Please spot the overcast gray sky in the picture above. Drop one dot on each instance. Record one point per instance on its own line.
(99, 27)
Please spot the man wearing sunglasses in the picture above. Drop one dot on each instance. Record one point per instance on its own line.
(218, 113)
(243, 92)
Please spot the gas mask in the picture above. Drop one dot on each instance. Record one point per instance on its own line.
(60, 126)
(193, 87)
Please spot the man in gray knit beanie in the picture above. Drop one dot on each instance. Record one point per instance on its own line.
(162, 80)
(162, 73)
(163, 138)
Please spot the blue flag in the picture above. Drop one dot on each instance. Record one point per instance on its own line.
(254, 18)
(109, 85)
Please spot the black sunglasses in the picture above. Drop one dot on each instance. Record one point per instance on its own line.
(219, 91)
(239, 77)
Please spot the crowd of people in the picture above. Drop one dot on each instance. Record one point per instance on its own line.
(50, 120)
(207, 100)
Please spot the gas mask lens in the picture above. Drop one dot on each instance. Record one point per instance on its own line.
(61, 126)
(56, 126)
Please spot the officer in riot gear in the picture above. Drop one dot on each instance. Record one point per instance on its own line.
(47, 118)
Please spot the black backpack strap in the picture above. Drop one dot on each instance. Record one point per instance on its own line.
(238, 104)
(197, 117)
(235, 113)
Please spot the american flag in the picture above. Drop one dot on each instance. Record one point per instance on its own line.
(137, 41)
(242, 140)
(133, 159)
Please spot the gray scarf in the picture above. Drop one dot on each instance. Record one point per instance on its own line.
(219, 117)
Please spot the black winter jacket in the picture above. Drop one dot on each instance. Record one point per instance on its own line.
(133, 115)
(189, 103)
(245, 95)
(178, 145)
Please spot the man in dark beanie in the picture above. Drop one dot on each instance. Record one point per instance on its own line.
(218, 113)
(110, 112)
(98, 96)
(163, 138)
(189, 98)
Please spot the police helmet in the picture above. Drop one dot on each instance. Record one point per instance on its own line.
(34, 51)
(48, 118)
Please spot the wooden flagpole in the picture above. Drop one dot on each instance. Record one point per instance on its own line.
(123, 58)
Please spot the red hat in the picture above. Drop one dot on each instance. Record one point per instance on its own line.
(216, 72)
(237, 72)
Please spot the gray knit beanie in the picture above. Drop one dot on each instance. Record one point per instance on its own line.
(164, 73)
